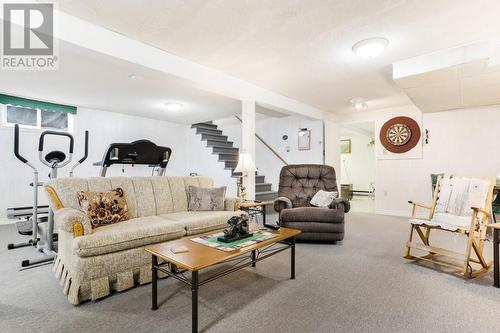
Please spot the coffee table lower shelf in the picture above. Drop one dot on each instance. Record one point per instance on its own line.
(174, 269)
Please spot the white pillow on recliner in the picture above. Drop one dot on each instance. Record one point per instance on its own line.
(323, 199)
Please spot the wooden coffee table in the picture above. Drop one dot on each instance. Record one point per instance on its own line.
(201, 256)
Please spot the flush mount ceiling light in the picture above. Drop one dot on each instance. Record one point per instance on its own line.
(371, 47)
(358, 103)
(173, 106)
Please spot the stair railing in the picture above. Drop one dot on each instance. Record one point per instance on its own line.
(267, 145)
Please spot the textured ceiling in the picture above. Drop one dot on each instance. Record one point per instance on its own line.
(301, 49)
(466, 85)
(94, 80)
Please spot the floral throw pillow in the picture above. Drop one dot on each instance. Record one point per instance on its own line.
(206, 199)
(104, 208)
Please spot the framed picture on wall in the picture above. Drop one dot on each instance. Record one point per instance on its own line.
(304, 139)
(345, 146)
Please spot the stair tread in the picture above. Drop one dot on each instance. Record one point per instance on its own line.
(267, 192)
(223, 147)
(211, 131)
(216, 139)
(206, 125)
(264, 184)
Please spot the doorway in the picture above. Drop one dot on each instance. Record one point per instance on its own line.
(357, 171)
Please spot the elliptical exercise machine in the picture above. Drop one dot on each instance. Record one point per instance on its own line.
(43, 230)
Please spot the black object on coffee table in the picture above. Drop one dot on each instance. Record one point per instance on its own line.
(238, 229)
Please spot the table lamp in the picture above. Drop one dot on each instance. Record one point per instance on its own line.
(244, 167)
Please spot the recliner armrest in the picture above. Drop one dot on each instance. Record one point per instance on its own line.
(72, 220)
(281, 203)
(341, 202)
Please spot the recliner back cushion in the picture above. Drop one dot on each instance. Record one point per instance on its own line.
(300, 182)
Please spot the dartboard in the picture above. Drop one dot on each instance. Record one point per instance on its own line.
(398, 134)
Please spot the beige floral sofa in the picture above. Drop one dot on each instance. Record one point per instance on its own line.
(92, 262)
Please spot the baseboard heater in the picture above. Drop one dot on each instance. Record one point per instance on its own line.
(361, 193)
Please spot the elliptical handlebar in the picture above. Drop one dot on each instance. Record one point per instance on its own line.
(16, 144)
(44, 133)
(86, 154)
(40, 148)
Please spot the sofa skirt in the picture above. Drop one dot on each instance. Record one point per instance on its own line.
(92, 278)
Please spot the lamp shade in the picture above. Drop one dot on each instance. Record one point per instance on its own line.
(245, 163)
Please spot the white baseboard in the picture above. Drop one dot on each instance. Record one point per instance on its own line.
(391, 213)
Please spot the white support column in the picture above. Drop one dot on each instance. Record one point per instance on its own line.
(332, 146)
(248, 142)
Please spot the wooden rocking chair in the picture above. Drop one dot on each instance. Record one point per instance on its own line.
(460, 205)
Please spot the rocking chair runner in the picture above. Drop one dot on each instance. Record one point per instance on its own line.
(460, 205)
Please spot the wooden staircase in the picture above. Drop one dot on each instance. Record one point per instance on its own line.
(228, 154)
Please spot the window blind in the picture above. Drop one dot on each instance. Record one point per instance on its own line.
(34, 104)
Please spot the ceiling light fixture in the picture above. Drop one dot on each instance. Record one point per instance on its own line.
(133, 76)
(173, 106)
(371, 47)
(358, 103)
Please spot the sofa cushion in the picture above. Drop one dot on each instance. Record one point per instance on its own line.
(144, 194)
(125, 235)
(128, 189)
(198, 222)
(163, 195)
(313, 214)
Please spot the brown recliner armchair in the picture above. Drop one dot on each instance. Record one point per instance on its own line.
(298, 184)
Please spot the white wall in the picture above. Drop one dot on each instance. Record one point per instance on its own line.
(462, 142)
(189, 153)
(272, 130)
(358, 167)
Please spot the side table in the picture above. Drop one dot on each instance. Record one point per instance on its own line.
(254, 208)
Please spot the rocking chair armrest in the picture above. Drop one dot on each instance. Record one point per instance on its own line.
(419, 204)
(480, 210)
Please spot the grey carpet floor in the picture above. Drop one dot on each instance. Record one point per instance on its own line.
(361, 285)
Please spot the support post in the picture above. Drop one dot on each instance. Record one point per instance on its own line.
(292, 273)
(194, 301)
(154, 282)
(496, 268)
(248, 143)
